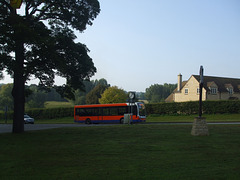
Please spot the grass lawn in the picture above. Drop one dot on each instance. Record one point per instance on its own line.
(122, 152)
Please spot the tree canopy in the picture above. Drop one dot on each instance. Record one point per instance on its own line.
(83, 97)
(113, 95)
(40, 43)
(48, 50)
(94, 95)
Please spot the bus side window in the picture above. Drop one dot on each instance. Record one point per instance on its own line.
(80, 112)
(122, 110)
(105, 111)
(89, 112)
(100, 111)
(77, 111)
(113, 111)
(95, 112)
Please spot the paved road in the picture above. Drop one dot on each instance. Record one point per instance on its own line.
(7, 128)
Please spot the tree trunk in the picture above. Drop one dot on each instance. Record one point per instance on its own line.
(18, 89)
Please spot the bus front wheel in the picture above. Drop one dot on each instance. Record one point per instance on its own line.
(88, 121)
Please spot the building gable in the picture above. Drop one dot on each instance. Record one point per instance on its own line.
(189, 91)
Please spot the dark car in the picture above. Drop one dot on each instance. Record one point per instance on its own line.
(28, 119)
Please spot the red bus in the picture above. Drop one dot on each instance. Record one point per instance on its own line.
(109, 113)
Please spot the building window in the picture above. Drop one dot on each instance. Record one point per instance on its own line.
(213, 90)
(230, 90)
(198, 90)
(186, 91)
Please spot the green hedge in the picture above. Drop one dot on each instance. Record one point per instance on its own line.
(209, 107)
(43, 113)
(9, 115)
(50, 113)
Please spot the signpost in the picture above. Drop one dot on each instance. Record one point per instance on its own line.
(200, 91)
(199, 127)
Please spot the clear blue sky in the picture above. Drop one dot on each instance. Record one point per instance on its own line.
(137, 43)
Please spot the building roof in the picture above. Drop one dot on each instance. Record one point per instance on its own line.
(222, 83)
(183, 84)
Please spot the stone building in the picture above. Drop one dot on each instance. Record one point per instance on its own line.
(214, 88)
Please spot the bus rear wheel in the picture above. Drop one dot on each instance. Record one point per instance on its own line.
(121, 121)
(88, 121)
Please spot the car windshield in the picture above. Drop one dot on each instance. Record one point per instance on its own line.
(26, 116)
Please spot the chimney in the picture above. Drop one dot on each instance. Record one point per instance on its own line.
(179, 86)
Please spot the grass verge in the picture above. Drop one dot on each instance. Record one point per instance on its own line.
(190, 118)
(122, 152)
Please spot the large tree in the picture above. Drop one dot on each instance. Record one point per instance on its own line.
(158, 93)
(113, 95)
(40, 42)
(95, 94)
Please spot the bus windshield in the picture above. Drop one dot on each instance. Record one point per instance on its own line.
(142, 109)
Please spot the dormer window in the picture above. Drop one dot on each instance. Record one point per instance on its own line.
(230, 90)
(213, 90)
(212, 87)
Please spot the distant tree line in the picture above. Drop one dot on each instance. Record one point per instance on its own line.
(96, 92)
(35, 96)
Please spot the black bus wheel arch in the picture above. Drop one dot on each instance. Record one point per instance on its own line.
(88, 121)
